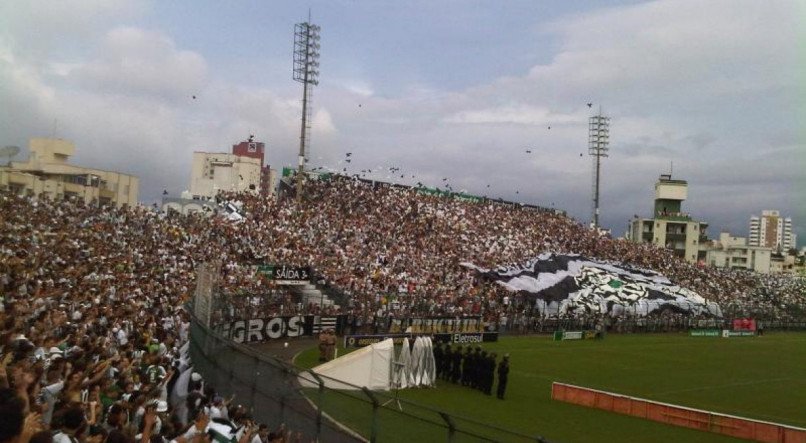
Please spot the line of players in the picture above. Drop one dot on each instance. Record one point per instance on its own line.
(472, 368)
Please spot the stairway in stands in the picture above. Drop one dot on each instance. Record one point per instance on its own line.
(310, 294)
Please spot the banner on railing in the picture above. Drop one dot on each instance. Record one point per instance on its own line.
(462, 338)
(435, 325)
(263, 329)
(359, 341)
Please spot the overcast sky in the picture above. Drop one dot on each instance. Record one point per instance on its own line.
(456, 89)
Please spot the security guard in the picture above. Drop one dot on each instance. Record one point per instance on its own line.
(503, 374)
(456, 368)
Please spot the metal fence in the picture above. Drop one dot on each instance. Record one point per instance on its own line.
(271, 389)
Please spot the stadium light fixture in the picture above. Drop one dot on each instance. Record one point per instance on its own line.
(598, 147)
(305, 71)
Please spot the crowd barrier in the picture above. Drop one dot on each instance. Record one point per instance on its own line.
(270, 389)
(678, 415)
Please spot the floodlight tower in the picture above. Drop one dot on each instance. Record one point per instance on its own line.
(598, 141)
(306, 71)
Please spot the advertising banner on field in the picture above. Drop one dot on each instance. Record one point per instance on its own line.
(705, 333)
(728, 334)
(358, 341)
(576, 335)
(744, 324)
(466, 338)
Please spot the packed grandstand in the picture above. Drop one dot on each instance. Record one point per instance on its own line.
(92, 297)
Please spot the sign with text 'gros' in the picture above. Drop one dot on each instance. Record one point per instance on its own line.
(262, 329)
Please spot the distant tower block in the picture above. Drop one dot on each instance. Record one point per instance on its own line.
(598, 147)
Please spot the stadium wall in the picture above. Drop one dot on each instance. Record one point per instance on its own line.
(678, 415)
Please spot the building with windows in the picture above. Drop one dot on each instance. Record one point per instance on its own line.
(670, 227)
(255, 149)
(48, 172)
(772, 231)
(734, 253)
(213, 172)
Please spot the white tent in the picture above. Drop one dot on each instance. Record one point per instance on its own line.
(416, 361)
(421, 366)
(430, 364)
(402, 374)
(369, 367)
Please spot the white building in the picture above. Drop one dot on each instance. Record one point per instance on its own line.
(213, 172)
(772, 231)
(670, 227)
(734, 253)
(47, 172)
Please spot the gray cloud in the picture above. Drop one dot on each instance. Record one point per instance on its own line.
(711, 86)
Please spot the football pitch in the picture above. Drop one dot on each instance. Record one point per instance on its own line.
(753, 377)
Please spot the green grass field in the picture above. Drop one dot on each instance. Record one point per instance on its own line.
(757, 377)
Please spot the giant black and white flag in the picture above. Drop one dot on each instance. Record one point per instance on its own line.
(571, 284)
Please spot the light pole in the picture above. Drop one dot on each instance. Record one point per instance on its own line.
(306, 71)
(598, 141)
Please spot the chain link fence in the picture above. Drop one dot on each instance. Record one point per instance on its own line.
(271, 389)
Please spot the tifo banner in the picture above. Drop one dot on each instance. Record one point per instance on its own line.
(285, 275)
(571, 284)
(744, 324)
(263, 329)
(359, 341)
(705, 333)
(435, 325)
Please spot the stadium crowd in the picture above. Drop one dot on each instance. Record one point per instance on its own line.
(92, 321)
(384, 244)
(92, 329)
